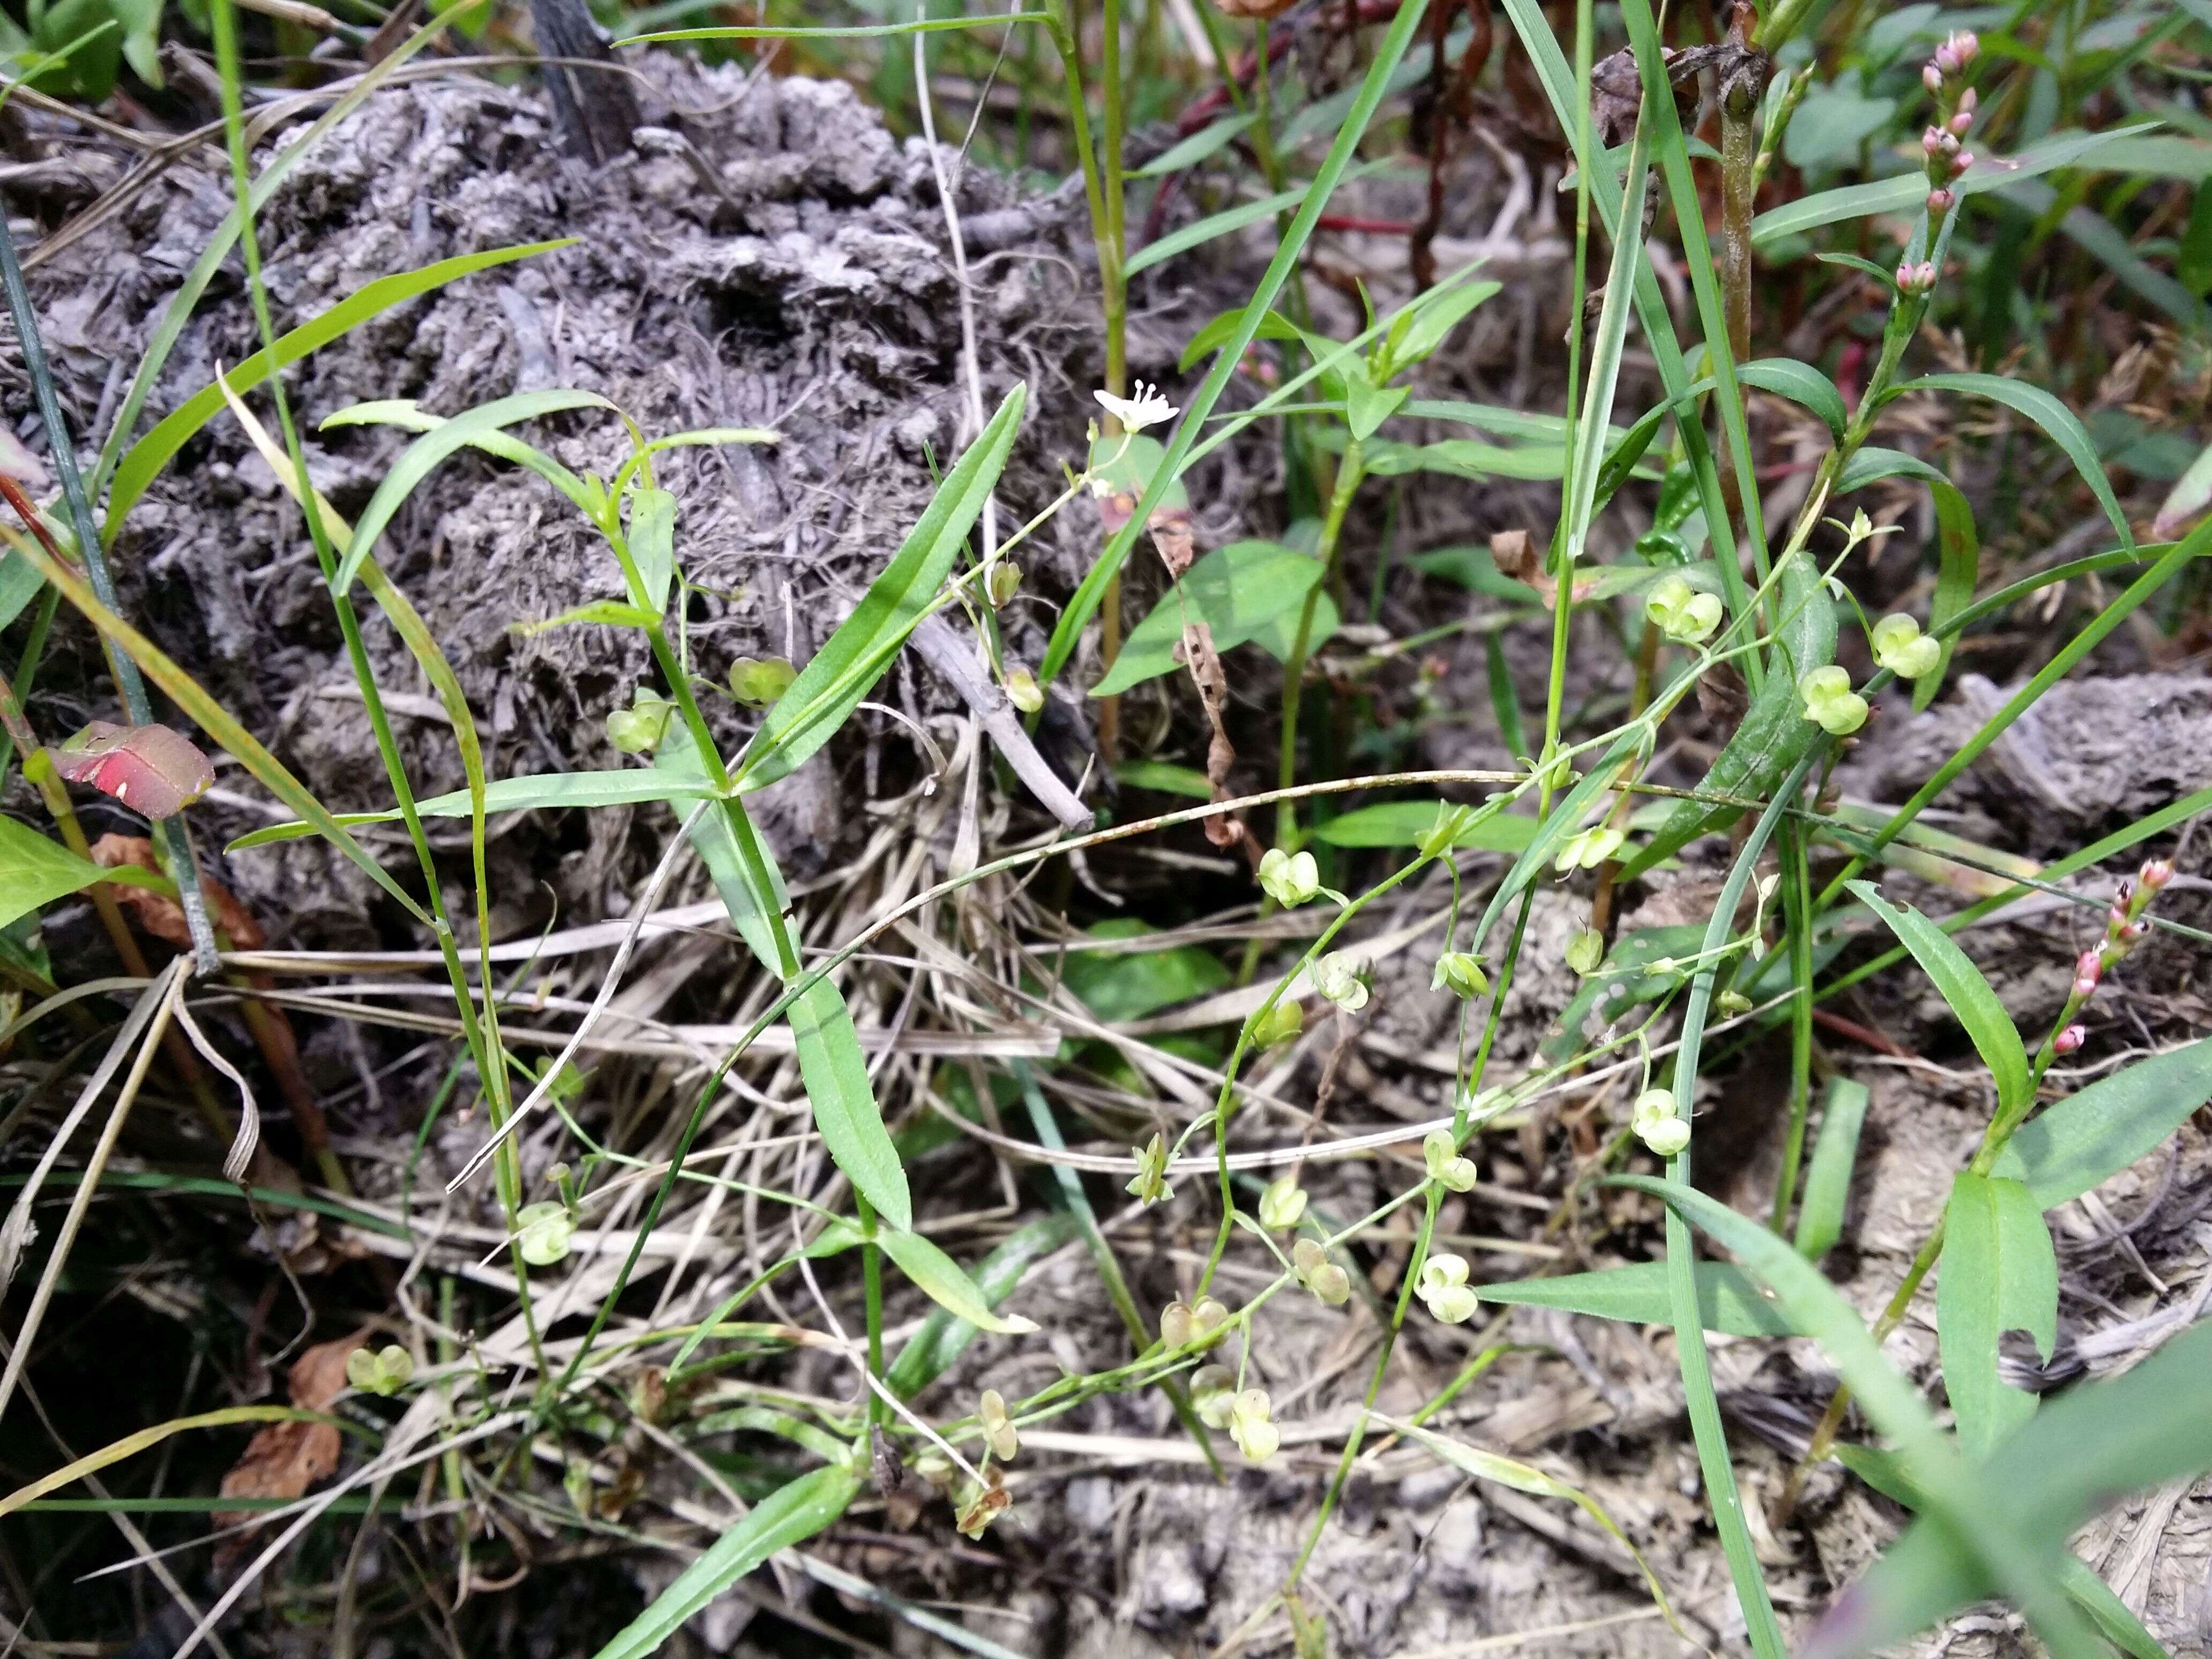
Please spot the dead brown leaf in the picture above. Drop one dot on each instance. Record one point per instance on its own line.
(162, 915)
(1207, 673)
(284, 1459)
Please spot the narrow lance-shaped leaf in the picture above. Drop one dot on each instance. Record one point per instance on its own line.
(840, 674)
(1994, 1036)
(1828, 1177)
(2093, 1134)
(35, 871)
(941, 1278)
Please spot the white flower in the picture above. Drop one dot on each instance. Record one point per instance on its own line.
(1147, 408)
(1289, 878)
(1337, 977)
(1656, 1124)
(1443, 1287)
(1250, 1427)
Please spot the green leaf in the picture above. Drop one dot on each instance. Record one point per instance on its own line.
(2084, 1451)
(1996, 1531)
(19, 584)
(2063, 426)
(1129, 985)
(1728, 1300)
(1828, 1176)
(1466, 458)
(35, 871)
(941, 1279)
(551, 790)
(1408, 824)
(144, 460)
(1271, 325)
(791, 1516)
(830, 1064)
(1801, 383)
(1882, 1471)
(423, 456)
(1999, 1273)
(605, 613)
(944, 1335)
(1367, 405)
(1905, 191)
(1990, 1028)
(653, 543)
(1198, 147)
(841, 672)
(1424, 322)
(1236, 590)
(2093, 1135)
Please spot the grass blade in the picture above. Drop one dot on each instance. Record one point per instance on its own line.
(792, 1516)
(1828, 1177)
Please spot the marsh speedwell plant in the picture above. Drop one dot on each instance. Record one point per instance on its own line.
(520, 1381)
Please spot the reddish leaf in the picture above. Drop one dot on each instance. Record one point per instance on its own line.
(151, 768)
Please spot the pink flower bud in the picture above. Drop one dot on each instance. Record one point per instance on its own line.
(2133, 932)
(2156, 874)
(1960, 124)
(2070, 1039)
(1932, 78)
(1941, 201)
(1967, 104)
(2088, 971)
(1965, 46)
(1947, 61)
(1931, 141)
(1960, 163)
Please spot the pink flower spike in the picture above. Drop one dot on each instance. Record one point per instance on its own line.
(2156, 874)
(2088, 971)
(2070, 1039)
(2133, 932)
(1931, 141)
(1963, 122)
(1960, 163)
(1966, 104)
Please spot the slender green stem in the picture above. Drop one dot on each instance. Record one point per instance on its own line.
(1797, 917)
(1348, 474)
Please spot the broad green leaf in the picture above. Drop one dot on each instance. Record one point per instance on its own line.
(423, 457)
(1278, 633)
(2059, 422)
(1976, 1005)
(1198, 147)
(1828, 1176)
(944, 1335)
(855, 657)
(941, 1277)
(1408, 824)
(1728, 1300)
(1166, 777)
(1236, 590)
(1801, 383)
(1999, 1273)
(1367, 405)
(1475, 568)
(2093, 1134)
(143, 463)
(19, 584)
(653, 543)
(551, 792)
(792, 1516)
(1832, 122)
(35, 871)
(1905, 192)
(1129, 985)
(2084, 1451)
